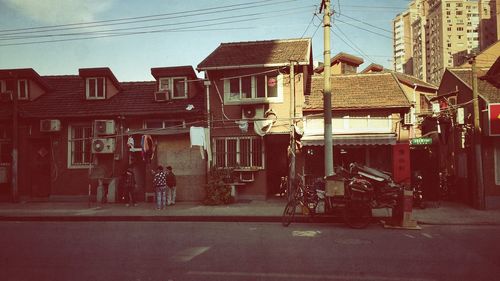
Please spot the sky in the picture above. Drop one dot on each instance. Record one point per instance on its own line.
(57, 37)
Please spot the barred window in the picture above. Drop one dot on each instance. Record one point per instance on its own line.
(79, 145)
(243, 152)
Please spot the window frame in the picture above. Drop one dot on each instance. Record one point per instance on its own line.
(3, 86)
(254, 157)
(87, 134)
(171, 87)
(96, 88)
(230, 98)
(163, 121)
(24, 89)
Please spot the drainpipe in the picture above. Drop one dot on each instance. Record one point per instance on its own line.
(207, 84)
(412, 130)
(15, 141)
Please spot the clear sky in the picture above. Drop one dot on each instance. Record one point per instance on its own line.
(136, 35)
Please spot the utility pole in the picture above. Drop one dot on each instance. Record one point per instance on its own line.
(479, 200)
(15, 140)
(291, 175)
(327, 91)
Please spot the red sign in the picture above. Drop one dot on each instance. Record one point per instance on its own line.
(271, 82)
(494, 118)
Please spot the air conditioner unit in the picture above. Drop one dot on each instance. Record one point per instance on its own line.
(104, 127)
(103, 145)
(50, 125)
(163, 95)
(252, 112)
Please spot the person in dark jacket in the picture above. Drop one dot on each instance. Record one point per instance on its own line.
(171, 186)
(129, 185)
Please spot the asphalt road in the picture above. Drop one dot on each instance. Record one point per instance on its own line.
(162, 251)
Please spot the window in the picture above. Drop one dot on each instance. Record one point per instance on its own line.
(95, 88)
(161, 124)
(22, 89)
(253, 87)
(79, 145)
(176, 85)
(243, 152)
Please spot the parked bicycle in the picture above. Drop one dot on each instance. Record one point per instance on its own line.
(305, 198)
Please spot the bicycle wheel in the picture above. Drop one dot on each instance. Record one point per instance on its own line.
(288, 213)
(357, 214)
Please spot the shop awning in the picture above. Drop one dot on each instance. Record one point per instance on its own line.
(358, 139)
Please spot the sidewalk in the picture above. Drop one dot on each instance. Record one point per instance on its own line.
(447, 213)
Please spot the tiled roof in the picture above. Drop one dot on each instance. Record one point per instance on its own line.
(357, 91)
(23, 73)
(342, 57)
(187, 71)
(411, 81)
(489, 92)
(67, 99)
(373, 67)
(258, 54)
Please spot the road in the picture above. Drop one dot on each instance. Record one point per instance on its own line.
(162, 251)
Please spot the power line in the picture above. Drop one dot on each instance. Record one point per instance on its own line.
(131, 19)
(371, 31)
(143, 27)
(142, 32)
(360, 50)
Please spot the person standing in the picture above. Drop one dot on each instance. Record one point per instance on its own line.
(160, 187)
(171, 186)
(129, 184)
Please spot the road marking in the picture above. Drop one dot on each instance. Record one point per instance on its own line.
(189, 253)
(410, 236)
(305, 276)
(427, 235)
(307, 233)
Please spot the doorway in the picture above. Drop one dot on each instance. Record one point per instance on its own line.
(40, 172)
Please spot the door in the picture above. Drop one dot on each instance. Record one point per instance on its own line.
(40, 172)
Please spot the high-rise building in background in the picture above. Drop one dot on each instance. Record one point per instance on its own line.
(434, 34)
(489, 25)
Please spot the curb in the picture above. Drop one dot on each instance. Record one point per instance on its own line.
(243, 219)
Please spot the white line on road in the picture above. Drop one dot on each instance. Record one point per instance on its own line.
(306, 276)
(427, 235)
(307, 233)
(410, 236)
(189, 253)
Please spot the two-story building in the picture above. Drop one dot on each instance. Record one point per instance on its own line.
(255, 97)
(77, 130)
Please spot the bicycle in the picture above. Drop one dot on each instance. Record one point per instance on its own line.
(304, 197)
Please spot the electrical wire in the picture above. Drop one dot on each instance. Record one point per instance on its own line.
(131, 19)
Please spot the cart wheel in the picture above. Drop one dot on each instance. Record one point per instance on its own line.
(357, 214)
(288, 213)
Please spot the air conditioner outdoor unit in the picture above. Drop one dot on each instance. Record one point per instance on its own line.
(103, 145)
(252, 112)
(163, 95)
(104, 127)
(50, 125)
